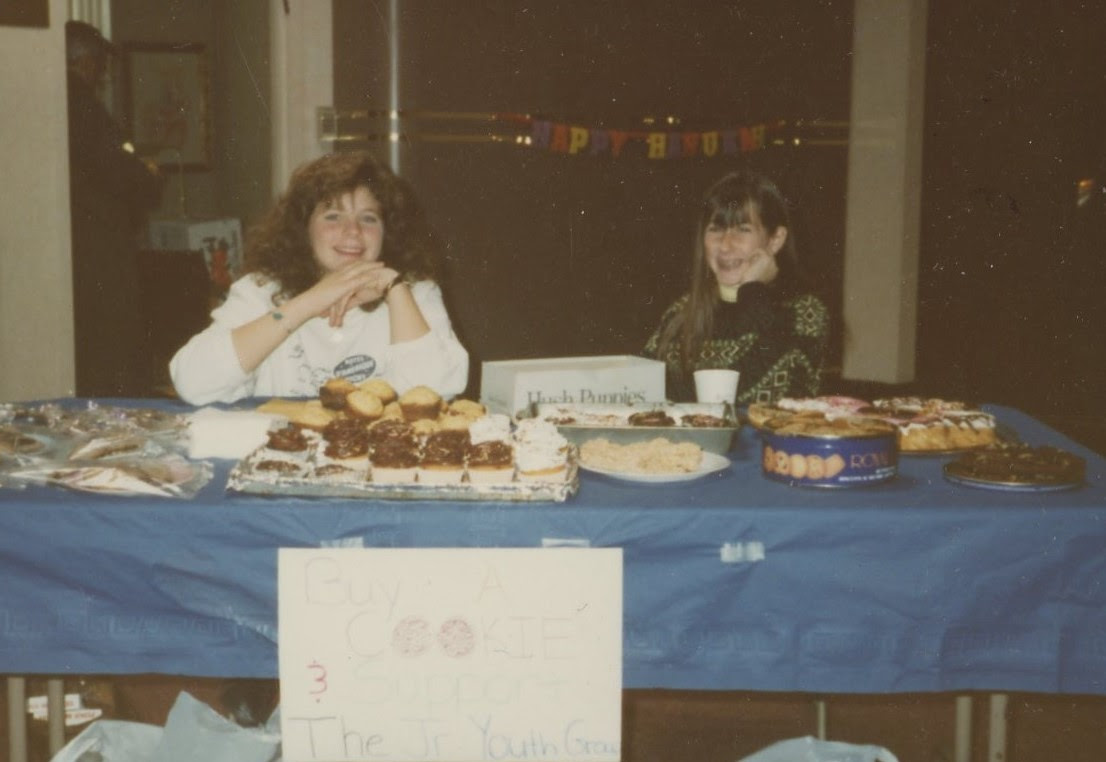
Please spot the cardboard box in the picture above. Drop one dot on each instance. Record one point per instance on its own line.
(511, 386)
(220, 240)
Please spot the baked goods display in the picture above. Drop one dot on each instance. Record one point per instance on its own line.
(936, 425)
(15, 442)
(655, 456)
(828, 407)
(698, 415)
(924, 425)
(365, 440)
(1018, 466)
(98, 448)
(711, 426)
(414, 446)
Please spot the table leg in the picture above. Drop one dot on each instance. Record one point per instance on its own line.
(962, 742)
(55, 714)
(996, 737)
(17, 719)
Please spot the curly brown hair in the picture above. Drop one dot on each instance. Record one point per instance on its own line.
(279, 248)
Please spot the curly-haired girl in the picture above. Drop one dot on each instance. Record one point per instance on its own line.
(340, 282)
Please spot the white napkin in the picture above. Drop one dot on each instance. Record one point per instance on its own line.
(230, 434)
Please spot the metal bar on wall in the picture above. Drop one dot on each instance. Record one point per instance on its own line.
(393, 81)
(396, 126)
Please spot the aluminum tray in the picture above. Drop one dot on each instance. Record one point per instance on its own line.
(244, 479)
(717, 439)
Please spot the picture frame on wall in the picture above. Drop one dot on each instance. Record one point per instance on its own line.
(166, 97)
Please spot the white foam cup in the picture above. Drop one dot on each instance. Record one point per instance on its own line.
(716, 385)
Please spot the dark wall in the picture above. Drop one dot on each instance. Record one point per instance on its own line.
(560, 255)
(555, 255)
(1012, 270)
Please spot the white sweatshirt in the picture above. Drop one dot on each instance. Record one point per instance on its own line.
(206, 369)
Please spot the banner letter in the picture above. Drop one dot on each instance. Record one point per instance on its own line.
(578, 138)
(729, 141)
(618, 140)
(673, 146)
(690, 143)
(600, 142)
(539, 134)
(710, 143)
(560, 139)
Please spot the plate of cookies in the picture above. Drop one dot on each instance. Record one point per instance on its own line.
(654, 461)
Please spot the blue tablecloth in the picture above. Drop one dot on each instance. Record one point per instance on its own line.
(731, 582)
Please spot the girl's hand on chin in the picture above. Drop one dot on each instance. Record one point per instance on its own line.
(762, 268)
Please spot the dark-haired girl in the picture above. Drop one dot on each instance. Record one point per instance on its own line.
(747, 309)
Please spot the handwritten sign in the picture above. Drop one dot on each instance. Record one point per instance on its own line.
(450, 654)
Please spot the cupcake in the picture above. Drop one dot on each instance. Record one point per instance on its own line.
(346, 443)
(352, 452)
(424, 427)
(541, 453)
(277, 466)
(333, 393)
(312, 415)
(389, 429)
(392, 410)
(490, 462)
(491, 454)
(495, 426)
(364, 404)
(420, 403)
(443, 457)
(459, 414)
(466, 408)
(380, 389)
(285, 453)
(449, 422)
(333, 471)
(395, 461)
(288, 438)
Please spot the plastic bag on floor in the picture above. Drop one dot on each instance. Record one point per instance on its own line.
(112, 741)
(810, 749)
(193, 732)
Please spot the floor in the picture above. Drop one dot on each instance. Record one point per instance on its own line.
(666, 726)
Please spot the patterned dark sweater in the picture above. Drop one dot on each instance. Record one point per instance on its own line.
(778, 346)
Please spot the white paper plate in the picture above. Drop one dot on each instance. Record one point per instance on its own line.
(712, 463)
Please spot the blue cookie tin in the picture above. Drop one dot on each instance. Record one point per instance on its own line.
(809, 453)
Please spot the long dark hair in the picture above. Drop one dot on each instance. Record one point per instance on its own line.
(279, 246)
(733, 200)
